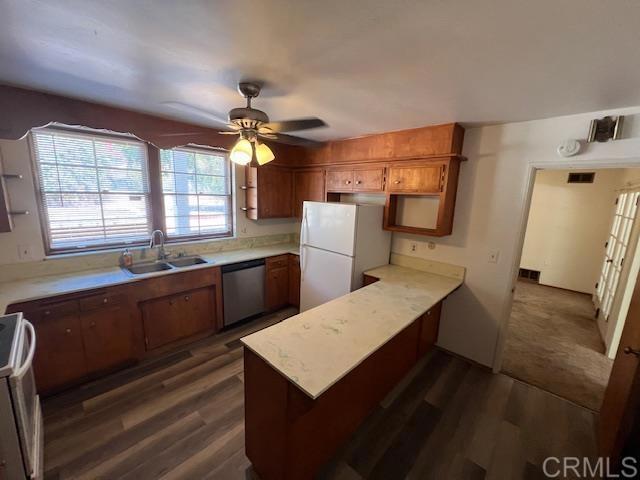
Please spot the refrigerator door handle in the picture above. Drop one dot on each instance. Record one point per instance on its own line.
(303, 263)
(304, 229)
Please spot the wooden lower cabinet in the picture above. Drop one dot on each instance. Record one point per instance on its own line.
(294, 280)
(60, 358)
(289, 435)
(108, 338)
(277, 282)
(178, 316)
(368, 280)
(429, 325)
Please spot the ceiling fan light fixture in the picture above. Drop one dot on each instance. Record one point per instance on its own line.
(263, 153)
(242, 152)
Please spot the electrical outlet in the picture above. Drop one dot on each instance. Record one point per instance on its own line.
(494, 255)
(25, 252)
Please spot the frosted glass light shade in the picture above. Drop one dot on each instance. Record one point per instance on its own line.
(241, 152)
(263, 154)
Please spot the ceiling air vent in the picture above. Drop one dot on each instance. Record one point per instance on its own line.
(581, 177)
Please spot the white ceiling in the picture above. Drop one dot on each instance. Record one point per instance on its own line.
(362, 66)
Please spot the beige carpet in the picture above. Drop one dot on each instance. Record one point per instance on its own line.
(553, 342)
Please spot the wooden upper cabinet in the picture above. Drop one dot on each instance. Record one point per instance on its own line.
(368, 180)
(269, 192)
(419, 179)
(307, 185)
(339, 180)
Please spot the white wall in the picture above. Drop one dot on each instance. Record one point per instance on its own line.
(16, 159)
(567, 227)
(491, 208)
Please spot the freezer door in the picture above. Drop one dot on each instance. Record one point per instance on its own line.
(329, 226)
(323, 276)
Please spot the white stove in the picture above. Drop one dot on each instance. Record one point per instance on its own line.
(21, 437)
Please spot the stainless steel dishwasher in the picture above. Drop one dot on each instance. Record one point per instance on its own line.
(243, 290)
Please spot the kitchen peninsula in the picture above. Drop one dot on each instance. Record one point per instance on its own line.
(312, 379)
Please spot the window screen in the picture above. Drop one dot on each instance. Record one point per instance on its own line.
(196, 186)
(94, 190)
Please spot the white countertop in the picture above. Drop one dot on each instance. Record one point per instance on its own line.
(316, 348)
(35, 288)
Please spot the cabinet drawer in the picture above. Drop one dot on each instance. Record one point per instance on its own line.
(277, 262)
(54, 310)
(370, 180)
(101, 301)
(339, 180)
(423, 179)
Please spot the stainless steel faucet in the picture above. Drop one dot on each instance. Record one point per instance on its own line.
(162, 255)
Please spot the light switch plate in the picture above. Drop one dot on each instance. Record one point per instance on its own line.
(494, 256)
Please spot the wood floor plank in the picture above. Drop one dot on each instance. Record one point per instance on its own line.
(183, 418)
(117, 462)
(190, 445)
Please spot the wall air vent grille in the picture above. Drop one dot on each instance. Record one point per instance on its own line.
(581, 177)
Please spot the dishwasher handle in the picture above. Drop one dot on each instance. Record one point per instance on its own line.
(234, 267)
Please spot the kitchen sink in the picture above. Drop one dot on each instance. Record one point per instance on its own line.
(148, 267)
(187, 261)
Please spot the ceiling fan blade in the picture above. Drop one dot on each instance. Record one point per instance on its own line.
(293, 125)
(184, 107)
(291, 140)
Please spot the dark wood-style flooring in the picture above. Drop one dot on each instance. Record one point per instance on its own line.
(181, 417)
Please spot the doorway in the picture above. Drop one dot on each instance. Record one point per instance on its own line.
(577, 266)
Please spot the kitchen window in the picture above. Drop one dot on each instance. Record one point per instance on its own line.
(196, 190)
(95, 191)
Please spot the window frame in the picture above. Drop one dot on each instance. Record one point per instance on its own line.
(156, 213)
(192, 238)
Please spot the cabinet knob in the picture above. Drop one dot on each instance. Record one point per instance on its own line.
(92, 324)
(358, 182)
(47, 312)
(67, 331)
(348, 182)
(429, 312)
(187, 298)
(397, 182)
(105, 300)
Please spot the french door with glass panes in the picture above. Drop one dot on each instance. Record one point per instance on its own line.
(615, 251)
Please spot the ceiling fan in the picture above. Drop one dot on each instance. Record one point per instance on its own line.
(252, 124)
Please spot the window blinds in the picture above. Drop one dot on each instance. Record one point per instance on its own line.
(94, 190)
(196, 186)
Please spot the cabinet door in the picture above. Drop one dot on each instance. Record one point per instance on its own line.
(307, 185)
(275, 193)
(59, 358)
(199, 306)
(339, 180)
(294, 280)
(108, 337)
(161, 320)
(369, 180)
(429, 324)
(277, 287)
(422, 179)
(178, 316)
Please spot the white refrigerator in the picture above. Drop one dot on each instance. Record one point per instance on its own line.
(338, 242)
